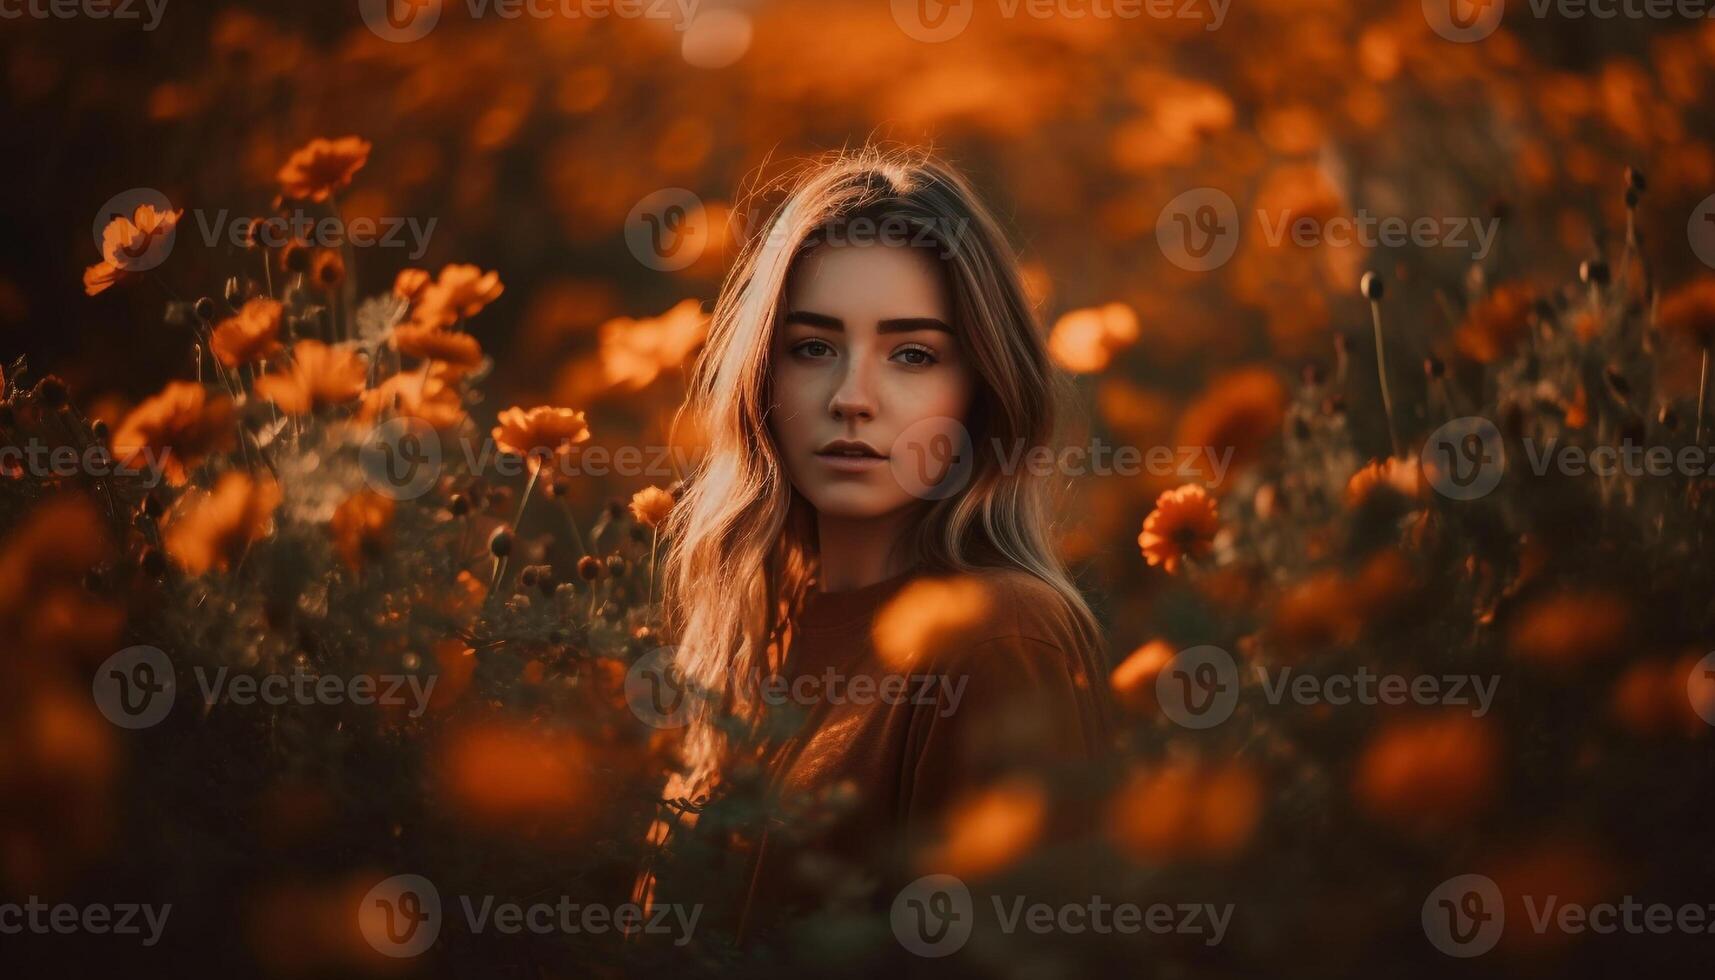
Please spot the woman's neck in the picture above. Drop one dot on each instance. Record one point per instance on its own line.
(859, 552)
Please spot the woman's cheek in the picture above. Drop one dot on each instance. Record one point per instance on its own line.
(932, 457)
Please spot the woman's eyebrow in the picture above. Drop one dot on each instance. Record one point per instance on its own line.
(810, 319)
(894, 325)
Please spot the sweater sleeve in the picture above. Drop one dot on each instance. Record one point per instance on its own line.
(1005, 706)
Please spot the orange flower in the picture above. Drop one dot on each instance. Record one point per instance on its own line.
(496, 773)
(926, 619)
(1133, 681)
(361, 527)
(542, 434)
(318, 376)
(1428, 775)
(211, 529)
(410, 283)
(461, 291)
(327, 270)
(1318, 611)
(1085, 341)
(323, 166)
(252, 334)
(1663, 697)
(450, 347)
(989, 830)
(1182, 525)
(1238, 411)
(175, 430)
(635, 352)
(1496, 323)
(651, 505)
(1186, 810)
(1570, 628)
(1399, 475)
(130, 245)
(1689, 311)
(430, 399)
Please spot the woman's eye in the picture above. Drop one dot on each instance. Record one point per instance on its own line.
(812, 348)
(917, 356)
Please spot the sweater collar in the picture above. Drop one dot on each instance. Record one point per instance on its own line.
(839, 610)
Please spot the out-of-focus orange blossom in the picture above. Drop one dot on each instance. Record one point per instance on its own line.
(211, 529)
(1186, 811)
(928, 618)
(1133, 681)
(496, 772)
(1570, 627)
(318, 376)
(988, 830)
(1428, 775)
(178, 427)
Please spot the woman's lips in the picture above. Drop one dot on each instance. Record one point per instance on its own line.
(846, 463)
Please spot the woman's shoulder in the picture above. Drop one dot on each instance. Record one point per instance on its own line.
(1014, 608)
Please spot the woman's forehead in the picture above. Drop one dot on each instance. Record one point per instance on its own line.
(869, 282)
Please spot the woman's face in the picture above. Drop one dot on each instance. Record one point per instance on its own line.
(865, 353)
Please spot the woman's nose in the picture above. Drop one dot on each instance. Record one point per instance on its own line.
(852, 399)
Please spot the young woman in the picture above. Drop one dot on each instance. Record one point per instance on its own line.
(861, 570)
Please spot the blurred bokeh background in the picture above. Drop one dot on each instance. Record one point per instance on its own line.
(531, 142)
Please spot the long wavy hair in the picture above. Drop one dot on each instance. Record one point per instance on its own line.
(743, 545)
